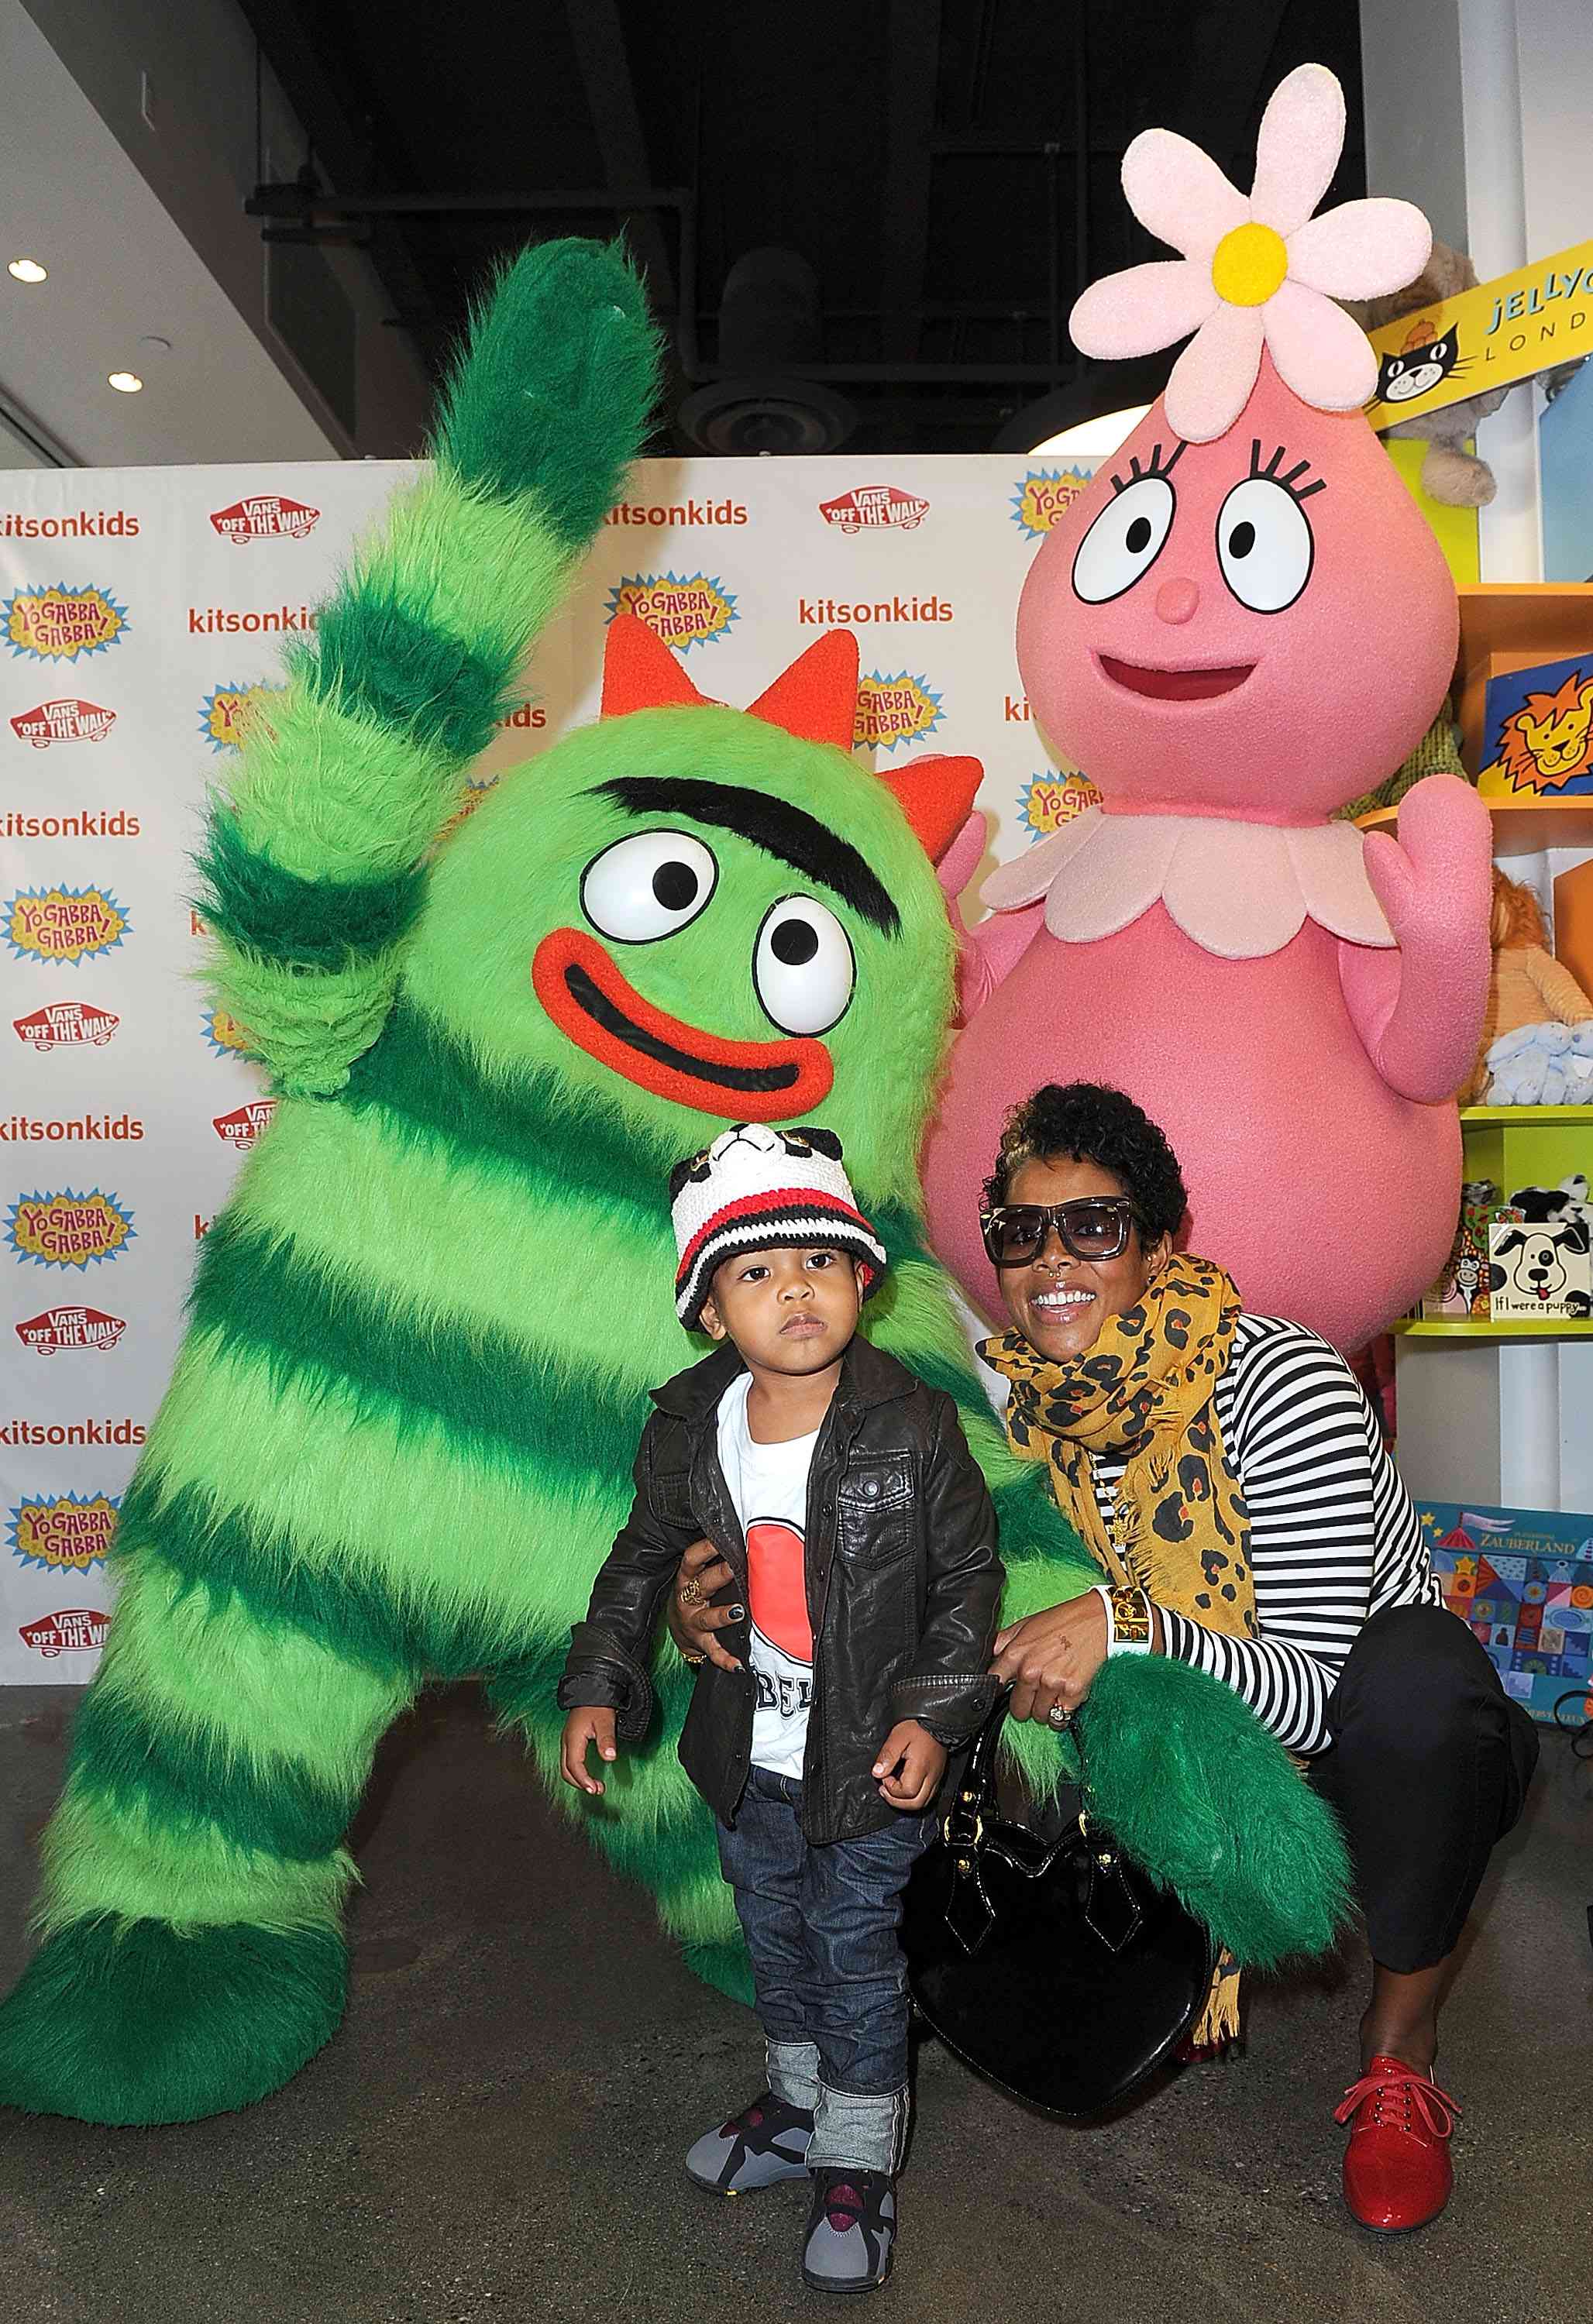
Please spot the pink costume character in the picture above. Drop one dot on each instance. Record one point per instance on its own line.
(1243, 622)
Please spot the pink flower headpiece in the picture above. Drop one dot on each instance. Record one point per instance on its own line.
(1257, 272)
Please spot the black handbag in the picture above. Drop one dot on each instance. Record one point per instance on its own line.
(1056, 1969)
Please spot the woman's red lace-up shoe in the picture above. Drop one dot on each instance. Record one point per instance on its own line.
(1397, 2172)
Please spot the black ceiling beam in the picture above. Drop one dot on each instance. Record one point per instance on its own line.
(1228, 53)
(913, 74)
(282, 34)
(598, 37)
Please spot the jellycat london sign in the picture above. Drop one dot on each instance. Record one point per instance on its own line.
(1503, 331)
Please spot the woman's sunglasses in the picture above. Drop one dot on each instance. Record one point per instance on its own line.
(1094, 1226)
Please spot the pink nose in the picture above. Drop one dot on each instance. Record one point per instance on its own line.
(1176, 600)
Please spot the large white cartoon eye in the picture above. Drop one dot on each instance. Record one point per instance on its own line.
(802, 966)
(1265, 544)
(1124, 540)
(648, 886)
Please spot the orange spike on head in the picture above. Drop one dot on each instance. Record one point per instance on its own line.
(641, 673)
(937, 796)
(816, 698)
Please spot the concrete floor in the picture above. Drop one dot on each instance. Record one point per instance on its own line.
(495, 2133)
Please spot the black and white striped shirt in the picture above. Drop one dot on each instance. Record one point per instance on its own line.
(1333, 1536)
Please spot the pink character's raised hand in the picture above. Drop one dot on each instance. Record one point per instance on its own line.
(985, 952)
(1419, 1011)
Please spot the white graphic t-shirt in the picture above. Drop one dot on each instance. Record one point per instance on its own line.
(769, 1486)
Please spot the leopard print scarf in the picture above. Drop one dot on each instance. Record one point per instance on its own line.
(1180, 1529)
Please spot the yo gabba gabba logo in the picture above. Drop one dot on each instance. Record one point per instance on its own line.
(1048, 801)
(226, 1036)
(1045, 496)
(63, 925)
(893, 709)
(58, 623)
(71, 720)
(228, 712)
(66, 1532)
(683, 609)
(69, 1230)
(265, 516)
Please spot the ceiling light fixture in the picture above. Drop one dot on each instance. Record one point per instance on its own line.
(126, 383)
(28, 269)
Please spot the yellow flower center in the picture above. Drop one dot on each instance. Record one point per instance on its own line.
(1248, 265)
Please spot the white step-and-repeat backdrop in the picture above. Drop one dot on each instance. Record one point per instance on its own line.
(142, 611)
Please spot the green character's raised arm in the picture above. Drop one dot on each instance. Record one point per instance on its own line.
(312, 885)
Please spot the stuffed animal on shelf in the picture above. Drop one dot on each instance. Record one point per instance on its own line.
(398, 1441)
(1437, 753)
(1243, 623)
(1536, 1046)
(1450, 474)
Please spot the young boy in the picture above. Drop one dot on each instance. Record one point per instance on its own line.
(841, 1494)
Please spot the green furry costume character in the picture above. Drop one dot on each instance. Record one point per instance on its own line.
(397, 1441)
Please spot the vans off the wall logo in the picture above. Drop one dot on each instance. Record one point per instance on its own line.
(58, 623)
(245, 1125)
(1047, 801)
(56, 1328)
(1046, 496)
(226, 1036)
(63, 925)
(265, 516)
(683, 609)
(66, 1025)
(894, 710)
(226, 710)
(868, 506)
(68, 1532)
(72, 1630)
(69, 1230)
(72, 719)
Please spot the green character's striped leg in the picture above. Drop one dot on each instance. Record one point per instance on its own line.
(650, 1823)
(194, 1873)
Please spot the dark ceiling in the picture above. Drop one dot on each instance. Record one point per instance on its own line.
(930, 182)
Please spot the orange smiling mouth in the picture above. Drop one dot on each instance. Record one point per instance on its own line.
(1174, 685)
(595, 1006)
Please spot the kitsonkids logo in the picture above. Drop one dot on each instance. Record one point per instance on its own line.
(683, 609)
(868, 505)
(69, 1530)
(1046, 496)
(225, 712)
(245, 1124)
(72, 719)
(68, 1230)
(58, 623)
(894, 710)
(66, 1025)
(70, 1327)
(265, 516)
(63, 925)
(225, 1036)
(1048, 801)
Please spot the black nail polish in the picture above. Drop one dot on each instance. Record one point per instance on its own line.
(739, 1613)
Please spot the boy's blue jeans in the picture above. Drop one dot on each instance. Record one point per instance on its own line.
(822, 1928)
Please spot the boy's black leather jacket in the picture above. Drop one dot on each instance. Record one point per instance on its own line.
(902, 1581)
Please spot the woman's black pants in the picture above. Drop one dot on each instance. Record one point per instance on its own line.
(1428, 1767)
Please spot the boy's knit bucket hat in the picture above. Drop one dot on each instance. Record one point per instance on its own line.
(759, 1188)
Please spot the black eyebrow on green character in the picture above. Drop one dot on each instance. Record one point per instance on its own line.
(779, 829)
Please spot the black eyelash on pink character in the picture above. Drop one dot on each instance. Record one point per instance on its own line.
(1289, 479)
(1154, 466)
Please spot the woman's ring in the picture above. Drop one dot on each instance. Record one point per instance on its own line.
(1057, 1716)
(689, 1592)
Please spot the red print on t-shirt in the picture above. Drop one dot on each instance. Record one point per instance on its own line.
(777, 1586)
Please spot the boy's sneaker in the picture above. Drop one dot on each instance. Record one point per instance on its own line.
(851, 2230)
(766, 2142)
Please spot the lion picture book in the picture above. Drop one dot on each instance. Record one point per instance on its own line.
(1538, 731)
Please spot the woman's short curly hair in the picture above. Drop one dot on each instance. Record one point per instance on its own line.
(1083, 1121)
